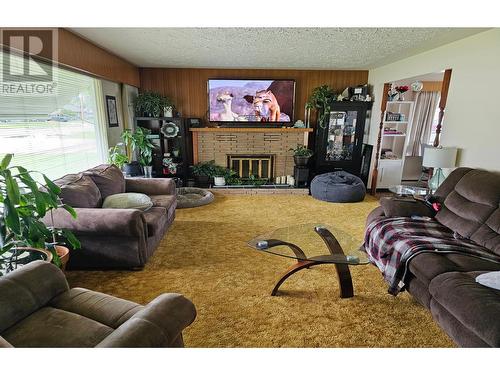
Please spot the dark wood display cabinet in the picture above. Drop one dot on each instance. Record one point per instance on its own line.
(338, 143)
(173, 152)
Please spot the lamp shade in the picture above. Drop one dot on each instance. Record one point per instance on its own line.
(440, 157)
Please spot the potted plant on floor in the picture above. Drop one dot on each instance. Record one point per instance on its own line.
(203, 172)
(301, 155)
(24, 201)
(152, 104)
(138, 141)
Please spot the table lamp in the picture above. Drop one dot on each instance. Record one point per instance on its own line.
(437, 158)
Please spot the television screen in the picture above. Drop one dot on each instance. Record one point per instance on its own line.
(251, 100)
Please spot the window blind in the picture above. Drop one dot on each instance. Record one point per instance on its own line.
(54, 133)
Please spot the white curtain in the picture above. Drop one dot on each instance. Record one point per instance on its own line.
(425, 106)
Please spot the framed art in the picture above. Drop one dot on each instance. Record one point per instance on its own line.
(112, 111)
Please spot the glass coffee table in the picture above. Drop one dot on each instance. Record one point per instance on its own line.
(406, 190)
(311, 245)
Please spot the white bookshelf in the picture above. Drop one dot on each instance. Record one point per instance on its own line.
(391, 170)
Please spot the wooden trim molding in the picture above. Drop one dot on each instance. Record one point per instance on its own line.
(383, 107)
(442, 104)
(432, 85)
(253, 130)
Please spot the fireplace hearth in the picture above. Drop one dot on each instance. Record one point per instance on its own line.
(261, 152)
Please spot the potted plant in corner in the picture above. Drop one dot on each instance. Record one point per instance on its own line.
(24, 202)
(321, 99)
(139, 142)
(301, 155)
(152, 104)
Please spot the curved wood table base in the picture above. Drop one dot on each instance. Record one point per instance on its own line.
(343, 273)
(301, 264)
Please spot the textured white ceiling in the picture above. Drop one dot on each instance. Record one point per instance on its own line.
(286, 48)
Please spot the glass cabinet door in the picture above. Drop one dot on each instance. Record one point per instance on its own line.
(341, 135)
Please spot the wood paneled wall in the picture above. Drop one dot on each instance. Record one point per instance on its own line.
(188, 87)
(78, 53)
(81, 54)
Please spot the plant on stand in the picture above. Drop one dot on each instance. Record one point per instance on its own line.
(152, 104)
(138, 141)
(301, 155)
(24, 202)
(321, 99)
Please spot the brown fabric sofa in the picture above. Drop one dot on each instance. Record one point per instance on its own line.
(445, 283)
(114, 238)
(38, 309)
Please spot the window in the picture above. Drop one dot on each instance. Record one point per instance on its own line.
(55, 133)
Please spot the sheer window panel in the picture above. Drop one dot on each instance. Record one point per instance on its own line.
(56, 133)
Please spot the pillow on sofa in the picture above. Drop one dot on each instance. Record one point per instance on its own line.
(489, 279)
(79, 190)
(406, 207)
(108, 178)
(128, 200)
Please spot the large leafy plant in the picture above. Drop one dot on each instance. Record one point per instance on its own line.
(139, 141)
(23, 203)
(321, 99)
(151, 103)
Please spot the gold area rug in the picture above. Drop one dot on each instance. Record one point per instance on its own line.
(205, 257)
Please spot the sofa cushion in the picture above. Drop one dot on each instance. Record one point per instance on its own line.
(105, 309)
(128, 200)
(490, 279)
(473, 305)
(156, 219)
(53, 328)
(427, 266)
(165, 201)
(472, 208)
(108, 178)
(78, 190)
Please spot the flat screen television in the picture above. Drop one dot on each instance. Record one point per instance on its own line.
(243, 102)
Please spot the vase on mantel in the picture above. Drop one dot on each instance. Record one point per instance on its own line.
(401, 97)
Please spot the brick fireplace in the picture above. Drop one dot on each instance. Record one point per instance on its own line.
(220, 144)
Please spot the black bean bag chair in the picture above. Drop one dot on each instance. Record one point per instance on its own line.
(340, 187)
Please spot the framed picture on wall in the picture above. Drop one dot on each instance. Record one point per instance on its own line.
(112, 111)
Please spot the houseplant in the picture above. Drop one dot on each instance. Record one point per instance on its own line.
(321, 99)
(117, 155)
(301, 155)
(203, 172)
(152, 104)
(23, 203)
(138, 141)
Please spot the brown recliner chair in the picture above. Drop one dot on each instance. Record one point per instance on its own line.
(38, 309)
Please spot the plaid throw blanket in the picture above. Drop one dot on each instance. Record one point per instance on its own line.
(391, 243)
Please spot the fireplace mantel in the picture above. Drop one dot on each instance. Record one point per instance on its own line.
(217, 143)
(253, 130)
